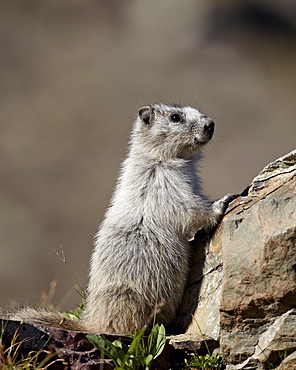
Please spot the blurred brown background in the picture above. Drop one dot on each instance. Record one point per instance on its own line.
(73, 74)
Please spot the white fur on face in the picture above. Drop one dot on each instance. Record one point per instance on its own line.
(163, 137)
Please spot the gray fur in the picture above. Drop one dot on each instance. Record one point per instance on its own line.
(141, 253)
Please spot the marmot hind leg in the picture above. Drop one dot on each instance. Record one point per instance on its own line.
(119, 311)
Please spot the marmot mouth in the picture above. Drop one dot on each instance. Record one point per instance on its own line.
(201, 141)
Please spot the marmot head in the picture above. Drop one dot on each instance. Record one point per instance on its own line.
(170, 131)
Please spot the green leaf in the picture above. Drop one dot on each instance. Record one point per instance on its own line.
(117, 343)
(156, 340)
(71, 315)
(134, 355)
(148, 360)
(104, 345)
(136, 346)
(119, 362)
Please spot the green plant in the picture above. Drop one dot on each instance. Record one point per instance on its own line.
(77, 313)
(207, 362)
(139, 354)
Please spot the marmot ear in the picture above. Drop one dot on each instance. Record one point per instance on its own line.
(146, 115)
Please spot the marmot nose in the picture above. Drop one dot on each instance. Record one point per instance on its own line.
(209, 126)
(209, 123)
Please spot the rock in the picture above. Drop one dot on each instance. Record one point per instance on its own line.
(72, 349)
(288, 363)
(278, 339)
(243, 279)
(276, 345)
(246, 365)
(285, 164)
(202, 296)
(192, 342)
(259, 259)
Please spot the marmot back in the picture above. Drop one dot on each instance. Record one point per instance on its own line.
(141, 254)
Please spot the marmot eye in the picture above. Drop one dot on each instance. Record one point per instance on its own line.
(175, 117)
